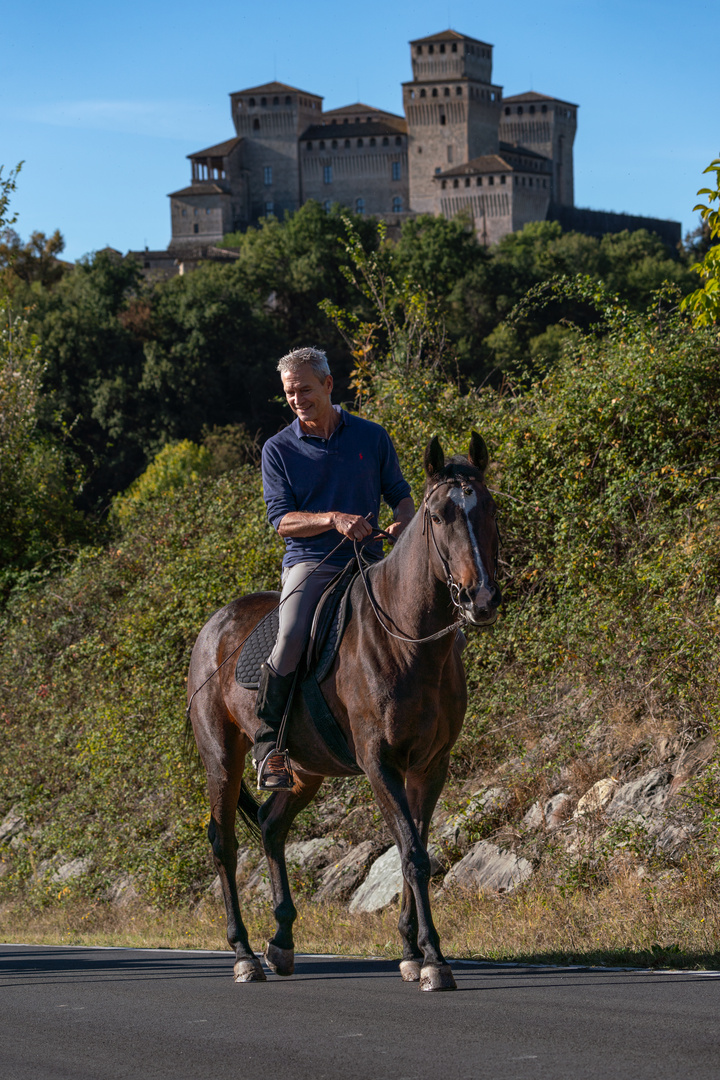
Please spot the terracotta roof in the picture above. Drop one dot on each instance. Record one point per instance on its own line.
(449, 35)
(347, 131)
(354, 110)
(530, 95)
(220, 150)
(276, 88)
(204, 188)
(494, 163)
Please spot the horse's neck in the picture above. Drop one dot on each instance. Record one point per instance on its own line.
(406, 588)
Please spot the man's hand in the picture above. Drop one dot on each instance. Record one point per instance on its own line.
(352, 526)
(404, 513)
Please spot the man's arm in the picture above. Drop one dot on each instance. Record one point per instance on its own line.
(404, 513)
(299, 523)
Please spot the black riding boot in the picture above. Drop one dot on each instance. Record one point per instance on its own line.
(272, 767)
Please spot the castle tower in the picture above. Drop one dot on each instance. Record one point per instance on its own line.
(547, 126)
(270, 119)
(452, 109)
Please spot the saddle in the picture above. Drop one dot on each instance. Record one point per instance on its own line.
(326, 632)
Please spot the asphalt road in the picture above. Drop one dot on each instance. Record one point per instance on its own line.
(111, 1014)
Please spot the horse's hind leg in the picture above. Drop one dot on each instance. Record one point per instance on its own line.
(422, 793)
(223, 749)
(276, 816)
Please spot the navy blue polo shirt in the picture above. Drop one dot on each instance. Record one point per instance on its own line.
(349, 472)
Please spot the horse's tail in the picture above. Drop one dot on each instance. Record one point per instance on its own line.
(248, 810)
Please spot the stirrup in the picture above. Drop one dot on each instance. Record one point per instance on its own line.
(275, 775)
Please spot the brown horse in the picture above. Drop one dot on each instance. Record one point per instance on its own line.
(397, 689)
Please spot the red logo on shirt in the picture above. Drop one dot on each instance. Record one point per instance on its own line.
(360, 456)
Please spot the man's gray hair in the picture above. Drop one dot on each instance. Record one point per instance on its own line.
(314, 358)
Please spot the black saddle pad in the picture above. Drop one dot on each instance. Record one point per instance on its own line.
(328, 625)
(256, 649)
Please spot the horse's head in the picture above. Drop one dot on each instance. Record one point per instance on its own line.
(459, 518)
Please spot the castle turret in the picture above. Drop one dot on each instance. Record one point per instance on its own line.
(452, 109)
(547, 126)
(270, 118)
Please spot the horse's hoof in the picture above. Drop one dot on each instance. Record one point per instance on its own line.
(281, 961)
(433, 977)
(410, 970)
(247, 970)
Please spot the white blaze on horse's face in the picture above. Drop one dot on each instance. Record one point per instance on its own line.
(465, 498)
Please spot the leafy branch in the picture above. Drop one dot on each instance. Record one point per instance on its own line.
(704, 303)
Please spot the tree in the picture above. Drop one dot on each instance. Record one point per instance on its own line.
(704, 303)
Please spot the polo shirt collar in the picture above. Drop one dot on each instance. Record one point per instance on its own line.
(300, 434)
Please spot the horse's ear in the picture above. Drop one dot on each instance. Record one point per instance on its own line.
(434, 457)
(478, 453)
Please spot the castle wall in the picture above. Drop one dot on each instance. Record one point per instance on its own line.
(491, 211)
(200, 217)
(376, 175)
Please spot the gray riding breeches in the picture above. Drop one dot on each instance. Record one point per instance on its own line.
(296, 612)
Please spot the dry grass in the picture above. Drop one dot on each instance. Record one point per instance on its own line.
(673, 921)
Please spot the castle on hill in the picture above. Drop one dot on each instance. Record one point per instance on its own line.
(462, 147)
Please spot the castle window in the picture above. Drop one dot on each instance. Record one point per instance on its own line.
(184, 213)
(263, 101)
(397, 205)
(507, 110)
(458, 91)
(442, 47)
(308, 146)
(431, 49)
(479, 181)
(321, 144)
(373, 142)
(412, 94)
(520, 110)
(531, 110)
(288, 99)
(543, 108)
(442, 118)
(517, 181)
(327, 205)
(502, 178)
(419, 50)
(434, 91)
(450, 154)
(347, 144)
(467, 181)
(422, 93)
(269, 208)
(256, 124)
(398, 140)
(208, 210)
(195, 211)
(196, 228)
(454, 47)
(334, 144)
(276, 101)
(456, 182)
(544, 183)
(444, 184)
(437, 170)
(267, 175)
(252, 102)
(346, 120)
(386, 141)
(447, 91)
(360, 142)
(419, 149)
(359, 206)
(327, 174)
(396, 170)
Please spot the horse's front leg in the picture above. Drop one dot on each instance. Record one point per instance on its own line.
(423, 792)
(276, 816)
(389, 788)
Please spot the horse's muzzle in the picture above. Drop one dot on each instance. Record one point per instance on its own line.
(480, 605)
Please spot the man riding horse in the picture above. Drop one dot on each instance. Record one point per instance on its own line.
(323, 477)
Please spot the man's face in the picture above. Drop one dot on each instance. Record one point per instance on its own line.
(307, 395)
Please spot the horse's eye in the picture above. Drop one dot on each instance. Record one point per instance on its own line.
(436, 518)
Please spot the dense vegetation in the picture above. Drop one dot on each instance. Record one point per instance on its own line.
(604, 442)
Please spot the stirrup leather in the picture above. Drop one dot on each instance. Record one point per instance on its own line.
(265, 772)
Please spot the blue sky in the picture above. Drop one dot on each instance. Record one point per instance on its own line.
(103, 102)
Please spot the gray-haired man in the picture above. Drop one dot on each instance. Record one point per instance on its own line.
(323, 478)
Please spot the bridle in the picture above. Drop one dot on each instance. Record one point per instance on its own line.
(454, 587)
